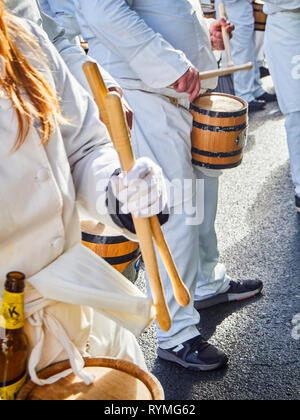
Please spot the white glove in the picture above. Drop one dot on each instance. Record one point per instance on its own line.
(142, 191)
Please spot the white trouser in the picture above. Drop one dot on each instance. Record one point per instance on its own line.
(162, 132)
(292, 125)
(282, 48)
(259, 37)
(247, 84)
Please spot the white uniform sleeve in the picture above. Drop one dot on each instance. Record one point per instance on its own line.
(73, 54)
(122, 30)
(75, 57)
(91, 154)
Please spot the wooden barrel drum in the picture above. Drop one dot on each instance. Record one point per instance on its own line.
(209, 11)
(260, 17)
(114, 380)
(219, 130)
(117, 250)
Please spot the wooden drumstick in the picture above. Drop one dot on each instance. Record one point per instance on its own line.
(181, 292)
(100, 92)
(226, 38)
(142, 226)
(98, 88)
(222, 72)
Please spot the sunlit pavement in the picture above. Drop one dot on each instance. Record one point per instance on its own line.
(259, 237)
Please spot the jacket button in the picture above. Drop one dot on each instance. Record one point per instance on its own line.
(58, 243)
(43, 175)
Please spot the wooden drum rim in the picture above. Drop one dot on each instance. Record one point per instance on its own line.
(151, 382)
(220, 114)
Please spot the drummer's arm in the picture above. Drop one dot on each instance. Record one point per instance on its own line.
(114, 24)
(92, 157)
(93, 164)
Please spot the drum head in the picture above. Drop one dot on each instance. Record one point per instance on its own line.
(114, 380)
(219, 102)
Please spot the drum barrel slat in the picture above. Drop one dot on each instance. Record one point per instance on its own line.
(259, 16)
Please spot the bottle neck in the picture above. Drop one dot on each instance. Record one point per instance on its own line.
(12, 311)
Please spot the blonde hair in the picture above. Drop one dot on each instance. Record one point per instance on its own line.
(30, 94)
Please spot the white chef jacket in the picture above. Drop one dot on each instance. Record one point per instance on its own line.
(41, 187)
(274, 6)
(39, 12)
(147, 44)
(24, 8)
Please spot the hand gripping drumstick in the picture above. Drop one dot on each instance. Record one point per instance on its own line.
(100, 92)
(210, 74)
(226, 38)
(120, 136)
(113, 115)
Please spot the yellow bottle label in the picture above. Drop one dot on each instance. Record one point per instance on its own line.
(12, 311)
(10, 391)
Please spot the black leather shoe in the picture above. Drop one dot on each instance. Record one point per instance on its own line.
(267, 97)
(297, 198)
(264, 72)
(237, 291)
(195, 354)
(256, 105)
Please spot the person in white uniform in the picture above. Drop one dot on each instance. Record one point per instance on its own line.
(65, 41)
(282, 47)
(155, 50)
(247, 84)
(58, 160)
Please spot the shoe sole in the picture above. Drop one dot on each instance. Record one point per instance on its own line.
(165, 355)
(226, 298)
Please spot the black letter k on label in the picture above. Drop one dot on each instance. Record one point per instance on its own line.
(12, 312)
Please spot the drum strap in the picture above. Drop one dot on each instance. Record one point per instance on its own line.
(174, 101)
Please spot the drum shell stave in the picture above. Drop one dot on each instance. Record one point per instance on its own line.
(260, 18)
(209, 11)
(118, 251)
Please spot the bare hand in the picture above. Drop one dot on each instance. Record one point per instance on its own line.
(189, 83)
(126, 108)
(215, 31)
(128, 112)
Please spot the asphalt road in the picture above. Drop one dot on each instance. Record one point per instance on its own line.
(259, 237)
